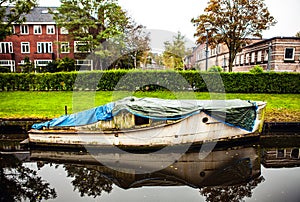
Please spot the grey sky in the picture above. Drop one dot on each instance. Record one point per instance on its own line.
(175, 16)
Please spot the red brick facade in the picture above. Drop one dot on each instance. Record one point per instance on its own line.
(40, 40)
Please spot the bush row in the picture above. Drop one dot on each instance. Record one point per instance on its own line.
(269, 82)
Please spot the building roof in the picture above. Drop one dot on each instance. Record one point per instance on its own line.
(264, 41)
(38, 15)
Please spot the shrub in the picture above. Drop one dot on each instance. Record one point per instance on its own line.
(215, 69)
(235, 82)
(66, 64)
(4, 69)
(257, 69)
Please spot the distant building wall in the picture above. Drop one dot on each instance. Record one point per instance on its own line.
(284, 55)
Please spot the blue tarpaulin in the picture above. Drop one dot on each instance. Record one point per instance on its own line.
(93, 115)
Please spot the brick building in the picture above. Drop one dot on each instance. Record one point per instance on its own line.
(40, 40)
(277, 53)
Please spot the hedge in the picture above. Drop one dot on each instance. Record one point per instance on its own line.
(267, 82)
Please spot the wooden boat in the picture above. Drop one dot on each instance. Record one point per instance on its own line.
(152, 122)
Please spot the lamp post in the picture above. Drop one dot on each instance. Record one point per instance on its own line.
(207, 27)
(269, 57)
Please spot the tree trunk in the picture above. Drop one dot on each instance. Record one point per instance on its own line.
(232, 54)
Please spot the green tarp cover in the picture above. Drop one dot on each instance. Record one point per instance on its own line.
(239, 113)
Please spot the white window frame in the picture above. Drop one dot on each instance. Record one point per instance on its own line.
(84, 62)
(41, 63)
(259, 54)
(80, 43)
(25, 47)
(293, 54)
(9, 63)
(237, 60)
(242, 59)
(65, 47)
(37, 29)
(24, 29)
(63, 30)
(6, 47)
(44, 47)
(247, 58)
(50, 29)
(266, 56)
(252, 57)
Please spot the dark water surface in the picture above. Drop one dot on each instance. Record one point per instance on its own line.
(263, 170)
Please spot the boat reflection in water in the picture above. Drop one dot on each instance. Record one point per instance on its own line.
(234, 168)
(231, 166)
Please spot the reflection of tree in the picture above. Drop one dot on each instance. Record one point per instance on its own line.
(230, 193)
(88, 182)
(19, 183)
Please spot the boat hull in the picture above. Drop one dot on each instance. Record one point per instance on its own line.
(196, 129)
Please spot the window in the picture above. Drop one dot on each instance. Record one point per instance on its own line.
(65, 47)
(81, 47)
(295, 153)
(247, 58)
(237, 60)
(242, 59)
(6, 47)
(266, 58)
(42, 63)
(280, 153)
(24, 29)
(44, 47)
(138, 120)
(8, 63)
(289, 54)
(252, 57)
(25, 47)
(37, 29)
(84, 65)
(13, 31)
(50, 29)
(259, 54)
(64, 31)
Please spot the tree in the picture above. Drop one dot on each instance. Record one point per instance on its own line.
(66, 64)
(233, 193)
(128, 49)
(137, 42)
(12, 12)
(174, 52)
(20, 183)
(28, 66)
(233, 21)
(92, 22)
(88, 181)
(298, 34)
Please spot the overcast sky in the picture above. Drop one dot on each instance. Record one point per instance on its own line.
(174, 15)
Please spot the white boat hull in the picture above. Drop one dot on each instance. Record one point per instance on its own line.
(198, 128)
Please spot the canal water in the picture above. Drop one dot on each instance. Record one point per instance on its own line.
(267, 169)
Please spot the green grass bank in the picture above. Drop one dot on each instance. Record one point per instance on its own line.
(50, 104)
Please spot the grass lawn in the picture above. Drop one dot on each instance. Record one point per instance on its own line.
(35, 104)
